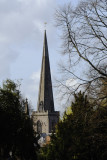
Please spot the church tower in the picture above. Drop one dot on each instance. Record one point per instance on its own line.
(45, 118)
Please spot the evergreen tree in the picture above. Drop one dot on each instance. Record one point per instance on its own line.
(80, 135)
(16, 131)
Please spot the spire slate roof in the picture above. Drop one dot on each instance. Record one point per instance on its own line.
(45, 99)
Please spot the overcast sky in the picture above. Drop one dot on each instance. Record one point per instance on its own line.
(21, 42)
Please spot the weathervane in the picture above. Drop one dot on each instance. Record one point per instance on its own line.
(45, 25)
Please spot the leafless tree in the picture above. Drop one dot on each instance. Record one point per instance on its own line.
(84, 35)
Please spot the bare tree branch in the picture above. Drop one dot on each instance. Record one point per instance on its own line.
(84, 35)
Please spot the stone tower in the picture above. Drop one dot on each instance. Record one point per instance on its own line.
(45, 118)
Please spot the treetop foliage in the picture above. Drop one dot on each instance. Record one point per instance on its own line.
(80, 135)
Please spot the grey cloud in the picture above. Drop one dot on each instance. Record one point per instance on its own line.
(30, 88)
(7, 56)
(21, 28)
(20, 22)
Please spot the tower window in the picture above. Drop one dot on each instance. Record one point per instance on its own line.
(52, 105)
(39, 127)
(41, 106)
(53, 126)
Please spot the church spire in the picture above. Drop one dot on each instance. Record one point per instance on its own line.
(45, 99)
